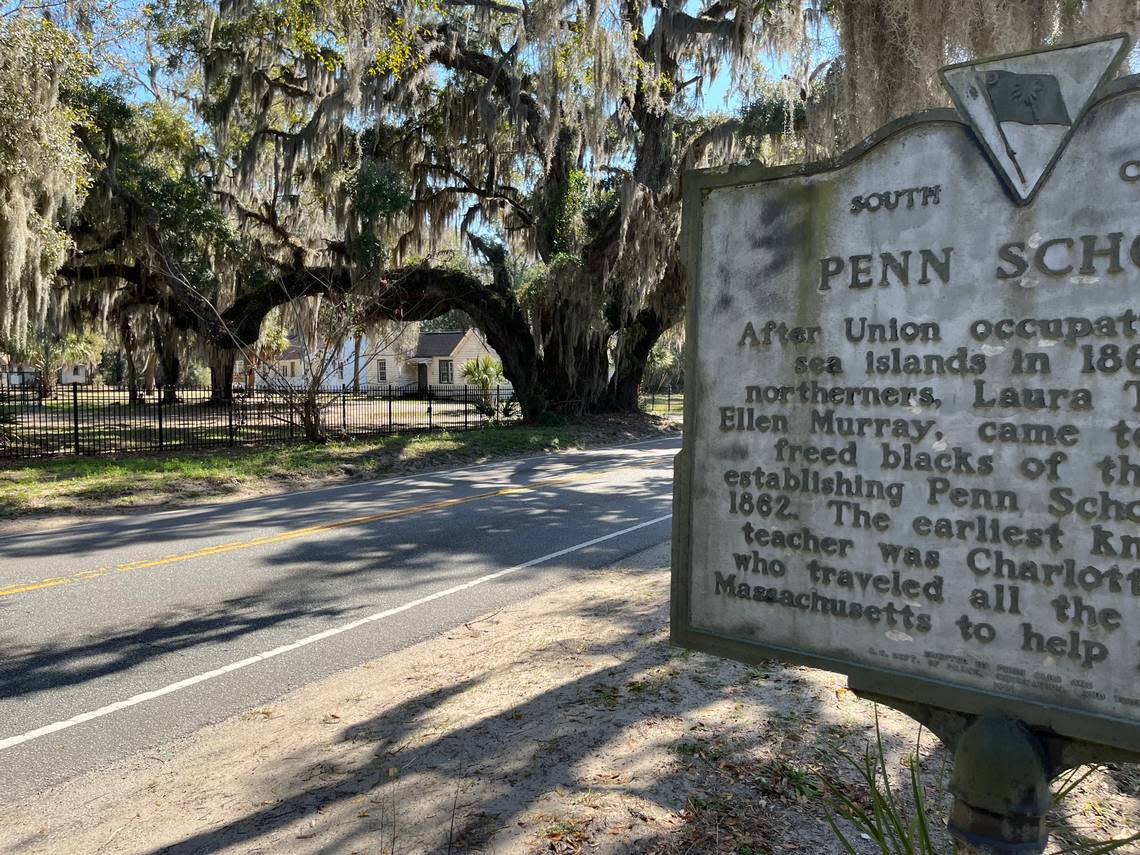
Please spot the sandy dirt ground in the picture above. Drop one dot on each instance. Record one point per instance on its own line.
(563, 724)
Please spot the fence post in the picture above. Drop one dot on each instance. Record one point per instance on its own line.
(389, 408)
(160, 397)
(343, 408)
(429, 408)
(75, 415)
(465, 406)
(230, 416)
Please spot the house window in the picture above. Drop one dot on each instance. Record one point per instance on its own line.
(381, 370)
(445, 375)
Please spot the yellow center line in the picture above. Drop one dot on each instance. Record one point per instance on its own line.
(348, 522)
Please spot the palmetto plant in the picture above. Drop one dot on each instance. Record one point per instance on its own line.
(483, 373)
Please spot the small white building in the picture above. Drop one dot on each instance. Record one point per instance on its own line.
(74, 375)
(435, 359)
(287, 369)
(15, 376)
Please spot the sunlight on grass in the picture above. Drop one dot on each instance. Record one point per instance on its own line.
(94, 484)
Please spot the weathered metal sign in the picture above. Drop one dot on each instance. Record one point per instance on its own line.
(912, 439)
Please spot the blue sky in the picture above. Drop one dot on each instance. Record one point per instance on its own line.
(715, 100)
(716, 96)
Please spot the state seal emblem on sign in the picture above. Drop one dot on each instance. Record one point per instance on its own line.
(1024, 107)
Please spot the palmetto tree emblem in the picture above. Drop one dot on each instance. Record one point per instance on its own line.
(1011, 101)
(1026, 91)
(1027, 99)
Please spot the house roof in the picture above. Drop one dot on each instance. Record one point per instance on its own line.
(437, 344)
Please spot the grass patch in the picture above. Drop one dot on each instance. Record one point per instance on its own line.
(663, 404)
(115, 483)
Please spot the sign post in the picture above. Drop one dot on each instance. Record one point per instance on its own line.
(913, 450)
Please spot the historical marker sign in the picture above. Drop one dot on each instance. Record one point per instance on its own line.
(912, 447)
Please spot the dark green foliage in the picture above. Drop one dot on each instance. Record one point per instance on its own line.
(771, 115)
(564, 217)
(378, 191)
(453, 320)
(152, 174)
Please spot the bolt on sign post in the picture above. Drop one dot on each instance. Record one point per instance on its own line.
(912, 433)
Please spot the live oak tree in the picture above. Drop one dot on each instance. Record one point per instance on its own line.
(561, 128)
(90, 187)
(297, 148)
(150, 242)
(347, 137)
(570, 145)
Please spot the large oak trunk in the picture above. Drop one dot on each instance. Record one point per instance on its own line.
(221, 376)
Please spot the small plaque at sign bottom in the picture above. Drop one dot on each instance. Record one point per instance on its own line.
(912, 440)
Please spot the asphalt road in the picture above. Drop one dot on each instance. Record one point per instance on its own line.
(120, 635)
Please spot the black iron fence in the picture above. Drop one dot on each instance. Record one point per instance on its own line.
(83, 419)
(663, 402)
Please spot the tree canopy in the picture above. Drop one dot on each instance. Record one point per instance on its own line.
(43, 174)
(520, 162)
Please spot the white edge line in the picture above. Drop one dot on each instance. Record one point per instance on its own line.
(134, 700)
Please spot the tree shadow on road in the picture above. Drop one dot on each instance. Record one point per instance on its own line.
(307, 505)
(29, 669)
(445, 544)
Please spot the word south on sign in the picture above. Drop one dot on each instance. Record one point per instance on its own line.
(912, 444)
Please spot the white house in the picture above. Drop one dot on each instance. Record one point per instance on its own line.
(15, 375)
(71, 375)
(288, 368)
(437, 360)
(432, 359)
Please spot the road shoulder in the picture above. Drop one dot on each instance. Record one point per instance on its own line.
(63, 492)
